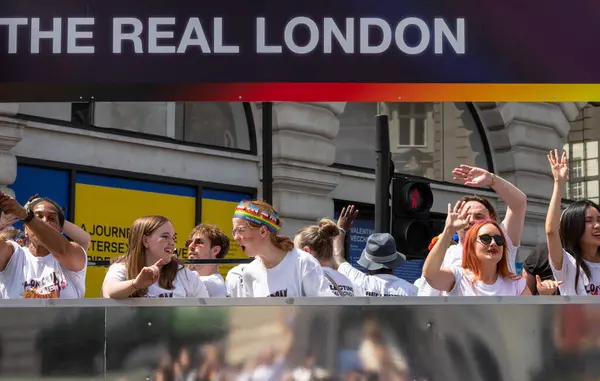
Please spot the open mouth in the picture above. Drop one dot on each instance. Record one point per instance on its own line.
(243, 247)
(493, 251)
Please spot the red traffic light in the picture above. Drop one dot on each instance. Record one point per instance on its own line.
(411, 196)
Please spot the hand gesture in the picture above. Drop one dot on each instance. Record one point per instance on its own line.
(457, 217)
(546, 287)
(560, 169)
(472, 176)
(7, 220)
(9, 205)
(148, 276)
(346, 218)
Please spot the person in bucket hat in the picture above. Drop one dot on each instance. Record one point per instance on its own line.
(380, 253)
(379, 257)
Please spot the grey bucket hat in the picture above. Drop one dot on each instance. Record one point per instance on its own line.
(380, 252)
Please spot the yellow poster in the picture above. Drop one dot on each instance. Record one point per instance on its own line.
(106, 208)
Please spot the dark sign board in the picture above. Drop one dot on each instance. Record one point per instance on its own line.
(308, 50)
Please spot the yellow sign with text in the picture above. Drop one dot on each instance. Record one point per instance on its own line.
(107, 214)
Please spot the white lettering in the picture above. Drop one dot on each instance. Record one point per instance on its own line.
(54, 34)
(73, 35)
(331, 30)
(423, 29)
(193, 27)
(441, 30)
(154, 34)
(386, 30)
(261, 45)
(218, 39)
(119, 35)
(288, 35)
(13, 24)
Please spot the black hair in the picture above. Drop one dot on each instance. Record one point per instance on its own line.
(36, 199)
(572, 227)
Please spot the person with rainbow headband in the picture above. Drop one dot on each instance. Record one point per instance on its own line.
(279, 269)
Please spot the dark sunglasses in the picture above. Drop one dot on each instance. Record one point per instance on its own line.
(486, 239)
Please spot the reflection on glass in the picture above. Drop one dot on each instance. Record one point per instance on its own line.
(147, 117)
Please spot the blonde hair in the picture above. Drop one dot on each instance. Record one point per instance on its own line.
(135, 258)
(319, 238)
(279, 241)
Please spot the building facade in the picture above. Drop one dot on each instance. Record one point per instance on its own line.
(323, 153)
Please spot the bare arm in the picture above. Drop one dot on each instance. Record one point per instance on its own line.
(531, 283)
(560, 173)
(117, 289)
(515, 200)
(77, 234)
(437, 277)
(6, 253)
(117, 286)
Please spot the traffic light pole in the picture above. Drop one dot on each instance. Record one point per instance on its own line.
(382, 175)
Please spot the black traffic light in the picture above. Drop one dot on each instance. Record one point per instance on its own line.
(411, 217)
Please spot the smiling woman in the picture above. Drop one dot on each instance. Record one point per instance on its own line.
(150, 268)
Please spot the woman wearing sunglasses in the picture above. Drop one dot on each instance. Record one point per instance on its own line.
(484, 270)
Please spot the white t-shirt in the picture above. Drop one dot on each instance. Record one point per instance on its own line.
(344, 284)
(378, 284)
(186, 283)
(464, 285)
(30, 277)
(234, 281)
(298, 274)
(215, 285)
(454, 257)
(585, 286)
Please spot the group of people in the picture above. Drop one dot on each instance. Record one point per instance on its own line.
(474, 255)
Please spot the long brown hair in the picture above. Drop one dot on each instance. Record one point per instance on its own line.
(135, 257)
(319, 238)
(470, 260)
(281, 242)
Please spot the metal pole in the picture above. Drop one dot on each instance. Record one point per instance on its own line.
(267, 152)
(382, 175)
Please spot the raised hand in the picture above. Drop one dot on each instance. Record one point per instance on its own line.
(472, 176)
(7, 220)
(457, 217)
(547, 287)
(560, 169)
(148, 275)
(347, 216)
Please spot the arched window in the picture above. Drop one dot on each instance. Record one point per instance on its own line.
(426, 139)
(227, 125)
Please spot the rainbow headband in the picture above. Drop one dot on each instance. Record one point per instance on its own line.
(252, 213)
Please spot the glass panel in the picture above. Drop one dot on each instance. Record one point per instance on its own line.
(404, 132)
(51, 110)
(592, 189)
(419, 132)
(59, 342)
(591, 149)
(146, 117)
(218, 124)
(577, 151)
(591, 167)
(420, 108)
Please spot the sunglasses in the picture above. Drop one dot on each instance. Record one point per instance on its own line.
(486, 239)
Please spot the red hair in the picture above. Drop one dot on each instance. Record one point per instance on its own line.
(470, 260)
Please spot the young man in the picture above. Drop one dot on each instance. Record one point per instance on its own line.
(207, 241)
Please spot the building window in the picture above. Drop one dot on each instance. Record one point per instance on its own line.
(218, 124)
(412, 119)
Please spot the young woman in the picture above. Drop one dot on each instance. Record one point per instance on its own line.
(49, 266)
(573, 238)
(149, 268)
(484, 270)
(279, 269)
(317, 240)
